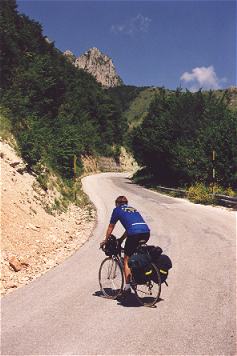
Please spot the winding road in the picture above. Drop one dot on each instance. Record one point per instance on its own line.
(63, 312)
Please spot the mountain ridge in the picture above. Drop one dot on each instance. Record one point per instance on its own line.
(98, 64)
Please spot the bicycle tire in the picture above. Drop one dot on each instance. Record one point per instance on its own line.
(143, 292)
(111, 278)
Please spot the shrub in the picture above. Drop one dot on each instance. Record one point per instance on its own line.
(230, 192)
(43, 181)
(199, 193)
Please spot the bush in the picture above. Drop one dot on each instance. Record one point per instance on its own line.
(43, 181)
(199, 193)
(230, 192)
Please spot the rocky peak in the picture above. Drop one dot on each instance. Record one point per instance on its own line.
(99, 65)
(233, 96)
(70, 56)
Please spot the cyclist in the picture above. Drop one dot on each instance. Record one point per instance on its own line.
(135, 230)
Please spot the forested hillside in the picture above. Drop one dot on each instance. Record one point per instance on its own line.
(176, 140)
(56, 110)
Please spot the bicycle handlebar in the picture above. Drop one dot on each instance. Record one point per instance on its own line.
(104, 245)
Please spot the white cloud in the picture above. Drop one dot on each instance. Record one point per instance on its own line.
(135, 25)
(202, 77)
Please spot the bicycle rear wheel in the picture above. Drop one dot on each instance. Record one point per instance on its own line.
(148, 293)
(111, 278)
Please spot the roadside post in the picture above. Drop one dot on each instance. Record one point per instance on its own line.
(75, 175)
(213, 172)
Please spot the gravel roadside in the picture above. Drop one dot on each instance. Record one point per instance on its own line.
(33, 241)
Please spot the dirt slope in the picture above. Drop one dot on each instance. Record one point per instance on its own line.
(33, 241)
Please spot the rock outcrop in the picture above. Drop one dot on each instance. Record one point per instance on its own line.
(70, 56)
(98, 64)
(233, 97)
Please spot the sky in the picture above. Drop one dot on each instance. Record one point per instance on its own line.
(189, 43)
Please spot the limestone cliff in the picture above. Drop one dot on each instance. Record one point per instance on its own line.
(99, 65)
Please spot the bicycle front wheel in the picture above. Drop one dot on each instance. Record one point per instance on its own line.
(148, 293)
(111, 278)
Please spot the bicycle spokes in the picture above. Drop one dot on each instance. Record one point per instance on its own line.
(148, 293)
(112, 270)
(111, 277)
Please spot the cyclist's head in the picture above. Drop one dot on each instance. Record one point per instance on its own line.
(121, 200)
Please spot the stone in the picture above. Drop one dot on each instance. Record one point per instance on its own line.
(15, 264)
(14, 164)
(70, 56)
(4, 255)
(98, 64)
(25, 263)
(24, 279)
(11, 285)
(32, 227)
(21, 170)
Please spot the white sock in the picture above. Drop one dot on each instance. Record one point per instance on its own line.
(127, 286)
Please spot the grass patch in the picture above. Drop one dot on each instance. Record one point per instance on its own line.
(139, 107)
(60, 193)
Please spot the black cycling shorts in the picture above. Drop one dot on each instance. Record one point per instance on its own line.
(132, 242)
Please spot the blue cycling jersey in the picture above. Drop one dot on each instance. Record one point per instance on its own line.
(130, 218)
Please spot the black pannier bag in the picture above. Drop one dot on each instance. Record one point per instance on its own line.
(112, 246)
(140, 265)
(164, 264)
(153, 251)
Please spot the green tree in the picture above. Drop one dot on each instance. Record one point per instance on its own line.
(57, 110)
(176, 139)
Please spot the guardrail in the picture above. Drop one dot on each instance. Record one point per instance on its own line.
(224, 200)
(181, 192)
(227, 200)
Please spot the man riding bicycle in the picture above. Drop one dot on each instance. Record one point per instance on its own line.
(135, 230)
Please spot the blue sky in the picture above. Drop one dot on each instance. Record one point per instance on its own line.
(160, 43)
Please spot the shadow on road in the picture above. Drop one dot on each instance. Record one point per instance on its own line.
(130, 301)
(99, 294)
(129, 181)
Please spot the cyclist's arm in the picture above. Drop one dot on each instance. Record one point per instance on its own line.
(113, 221)
(109, 231)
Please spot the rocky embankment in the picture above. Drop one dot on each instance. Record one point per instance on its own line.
(33, 241)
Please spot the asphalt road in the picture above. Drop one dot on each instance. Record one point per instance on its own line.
(63, 313)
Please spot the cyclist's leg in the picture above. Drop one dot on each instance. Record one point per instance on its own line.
(129, 248)
(127, 271)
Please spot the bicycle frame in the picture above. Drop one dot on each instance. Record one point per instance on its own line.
(116, 266)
